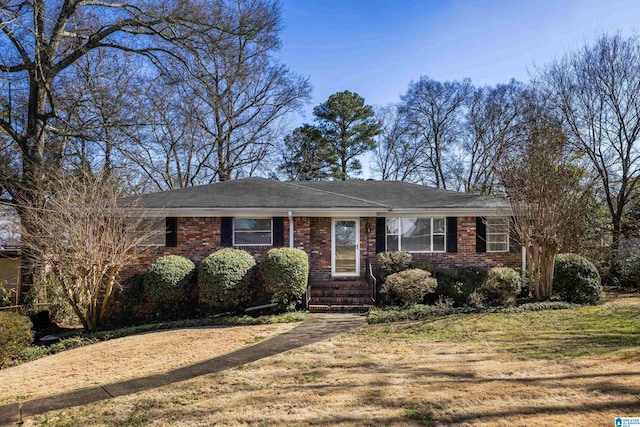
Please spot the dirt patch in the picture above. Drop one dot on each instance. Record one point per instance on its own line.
(125, 358)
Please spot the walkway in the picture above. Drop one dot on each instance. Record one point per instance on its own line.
(317, 328)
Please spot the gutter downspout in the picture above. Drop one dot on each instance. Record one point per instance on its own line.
(290, 215)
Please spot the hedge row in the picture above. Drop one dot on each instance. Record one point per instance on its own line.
(576, 280)
(227, 278)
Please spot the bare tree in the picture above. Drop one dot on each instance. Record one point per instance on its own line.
(597, 91)
(546, 193)
(243, 94)
(396, 154)
(83, 236)
(433, 111)
(41, 40)
(492, 125)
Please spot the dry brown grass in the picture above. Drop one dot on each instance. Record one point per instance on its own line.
(365, 379)
(125, 358)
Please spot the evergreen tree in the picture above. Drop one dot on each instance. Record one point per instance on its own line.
(305, 156)
(349, 128)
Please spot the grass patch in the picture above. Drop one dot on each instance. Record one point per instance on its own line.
(540, 334)
(36, 352)
(421, 311)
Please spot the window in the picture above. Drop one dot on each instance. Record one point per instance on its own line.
(415, 234)
(155, 230)
(252, 232)
(498, 234)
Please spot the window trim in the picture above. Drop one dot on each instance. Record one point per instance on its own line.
(399, 234)
(488, 234)
(241, 245)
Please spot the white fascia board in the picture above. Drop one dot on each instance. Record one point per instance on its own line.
(335, 213)
(256, 212)
(457, 212)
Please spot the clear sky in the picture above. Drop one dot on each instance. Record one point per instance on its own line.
(376, 47)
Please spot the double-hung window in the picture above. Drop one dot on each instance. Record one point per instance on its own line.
(415, 234)
(252, 232)
(497, 234)
(153, 230)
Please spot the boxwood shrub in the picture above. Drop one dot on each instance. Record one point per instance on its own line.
(285, 272)
(15, 335)
(225, 278)
(166, 279)
(457, 284)
(408, 287)
(392, 262)
(576, 279)
(502, 286)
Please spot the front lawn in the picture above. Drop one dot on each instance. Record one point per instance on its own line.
(577, 366)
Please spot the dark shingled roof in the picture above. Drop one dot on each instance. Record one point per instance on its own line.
(270, 194)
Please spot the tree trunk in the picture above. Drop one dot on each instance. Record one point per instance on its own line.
(614, 249)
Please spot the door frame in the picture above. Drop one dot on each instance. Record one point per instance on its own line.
(355, 273)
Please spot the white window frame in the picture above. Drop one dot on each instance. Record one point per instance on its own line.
(240, 245)
(399, 235)
(489, 235)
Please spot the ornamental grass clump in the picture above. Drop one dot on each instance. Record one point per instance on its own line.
(408, 287)
(166, 279)
(225, 279)
(285, 272)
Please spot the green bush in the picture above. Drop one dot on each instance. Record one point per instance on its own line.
(7, 296)
(167, 278)
(285, 272)
(576, 279)
(457, 284)
(392, 262)
(15, 335)
(408, 287)
(225, 278)
(502, 286)
(631, 271)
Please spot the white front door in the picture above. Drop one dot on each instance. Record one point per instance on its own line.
(345, 247)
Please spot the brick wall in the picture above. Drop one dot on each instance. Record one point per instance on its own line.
(200, 236)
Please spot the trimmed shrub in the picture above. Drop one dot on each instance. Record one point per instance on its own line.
(392, 262)
(631, 271)
(225, 278)
(502, 286)
(166, 279)
(458, 284)
(285, 272)
(576, 279)
(15, 336)
(408, 287)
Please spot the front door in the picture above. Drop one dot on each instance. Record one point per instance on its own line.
(345, 247)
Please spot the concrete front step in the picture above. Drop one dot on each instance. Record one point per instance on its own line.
(341, 300)
(339, 308)
(341, 292)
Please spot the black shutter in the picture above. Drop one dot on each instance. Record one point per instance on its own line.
(452, 234)
(278, 231)
(171, 225)
(381, 235)
(226, 231)
(514, 241)
(481, 234)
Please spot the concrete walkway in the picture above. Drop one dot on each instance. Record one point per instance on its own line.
(317, 328)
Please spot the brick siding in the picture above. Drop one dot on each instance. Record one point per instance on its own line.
(200, 236)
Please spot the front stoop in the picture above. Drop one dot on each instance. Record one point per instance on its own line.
(352, 295)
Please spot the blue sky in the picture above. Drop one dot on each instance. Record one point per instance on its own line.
(376, 48)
